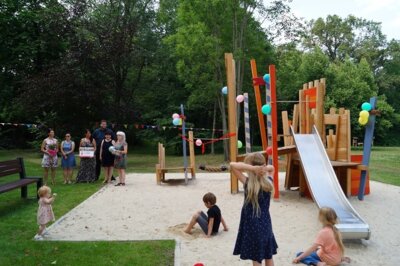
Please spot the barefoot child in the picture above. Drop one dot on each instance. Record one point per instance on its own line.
(45, 212)
(209, 223)
(328, 247)
(255, 240)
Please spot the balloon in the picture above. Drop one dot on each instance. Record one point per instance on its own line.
(175, 115)
(176, 121)
(266, 109)
(266, 78)
(180, 122)
(239, 144)
(362, 120)
(199, 142)
(112, 149)
(364, 114)
(224, 90)
(240, 98)
(366, 106)
(269, 150)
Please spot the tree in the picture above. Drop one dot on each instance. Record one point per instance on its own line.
(354, 37)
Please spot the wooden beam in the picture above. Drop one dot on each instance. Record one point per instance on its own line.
(231, 84)
(257, 94)
(274, 116)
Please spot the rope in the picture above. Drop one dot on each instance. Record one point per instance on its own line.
(203, 148)
(214, 169)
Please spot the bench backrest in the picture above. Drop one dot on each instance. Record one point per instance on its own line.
(161, 155)
(12, 167)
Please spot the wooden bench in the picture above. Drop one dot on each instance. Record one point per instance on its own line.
(161, 169)
(17, 167)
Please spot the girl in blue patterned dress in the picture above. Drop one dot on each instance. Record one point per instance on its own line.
(68, 162)
(121, 150)
(255, 240)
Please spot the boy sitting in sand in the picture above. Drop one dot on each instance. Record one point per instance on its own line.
(209, 223)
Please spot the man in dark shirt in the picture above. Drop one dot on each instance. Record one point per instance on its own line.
(99, 135)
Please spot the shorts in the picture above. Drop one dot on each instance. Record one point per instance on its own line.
(202, 220)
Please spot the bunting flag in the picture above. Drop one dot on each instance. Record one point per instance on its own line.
(136, 126)
(28, 125)
(158, 127)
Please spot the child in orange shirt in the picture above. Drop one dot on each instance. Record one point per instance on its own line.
(328, 248)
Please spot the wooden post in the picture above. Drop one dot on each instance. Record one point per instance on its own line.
(302, 113)
(319, 119)
(230, 76)
(285, 127)
(295, 120)
(368, 138)
(274, 131)
(260, 115)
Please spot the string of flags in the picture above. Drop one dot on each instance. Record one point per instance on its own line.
(137, 126)
(28, 125)
(158, 127)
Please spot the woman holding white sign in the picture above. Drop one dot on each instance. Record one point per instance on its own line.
(87, 169)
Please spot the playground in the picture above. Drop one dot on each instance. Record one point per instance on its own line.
(127, 217)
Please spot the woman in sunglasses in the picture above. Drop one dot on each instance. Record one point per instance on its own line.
(68, 158)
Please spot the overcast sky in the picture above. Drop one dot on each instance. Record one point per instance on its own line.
(385, 11)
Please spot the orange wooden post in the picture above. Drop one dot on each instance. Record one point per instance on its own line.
(230, 76)
(260, 115)
(274, 114)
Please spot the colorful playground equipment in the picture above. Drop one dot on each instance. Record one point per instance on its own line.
(317, 145)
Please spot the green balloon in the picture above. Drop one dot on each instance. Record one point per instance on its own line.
(366, 106)
(239, 144)
(266, 109)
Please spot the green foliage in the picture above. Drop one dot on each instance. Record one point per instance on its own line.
(137, 61)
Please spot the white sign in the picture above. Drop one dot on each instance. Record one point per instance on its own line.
(86, 152)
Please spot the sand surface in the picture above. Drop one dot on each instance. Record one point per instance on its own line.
(143, 210)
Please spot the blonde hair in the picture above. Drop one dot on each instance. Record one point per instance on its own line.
(328, 217)
(121, 133)
(256, 183)
(43, 191)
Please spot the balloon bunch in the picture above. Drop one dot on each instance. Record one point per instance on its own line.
(176, 119)
(364, 114)
(266, 108)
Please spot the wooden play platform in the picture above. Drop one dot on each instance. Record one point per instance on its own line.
(162, 169)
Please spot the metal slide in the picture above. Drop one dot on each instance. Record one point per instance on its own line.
(325, 187)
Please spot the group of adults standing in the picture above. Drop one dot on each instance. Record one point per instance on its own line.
(109, 150)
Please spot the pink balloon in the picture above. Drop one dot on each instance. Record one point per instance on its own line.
(240, 98)
(175, 116)
(199, 142)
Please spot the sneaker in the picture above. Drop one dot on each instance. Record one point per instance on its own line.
(65, 182)
(38, 237)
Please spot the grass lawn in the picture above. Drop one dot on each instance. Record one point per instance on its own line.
(384, 164)
(18, 217)
(18, 226)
